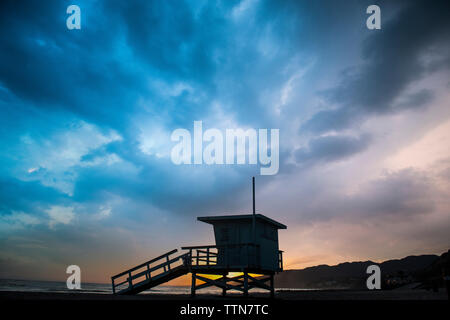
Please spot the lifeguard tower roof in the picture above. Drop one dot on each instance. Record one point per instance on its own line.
(241, 218)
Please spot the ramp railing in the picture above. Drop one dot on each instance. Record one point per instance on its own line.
(147, 271)
(241, 254)
(280, 260)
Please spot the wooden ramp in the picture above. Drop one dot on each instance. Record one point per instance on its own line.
(202, 260)
(150, 274)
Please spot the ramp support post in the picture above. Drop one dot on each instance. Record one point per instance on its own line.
(224, 289)
(193, 285)
(245, 284)
(272, 287)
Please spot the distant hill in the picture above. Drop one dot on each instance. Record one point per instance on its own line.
(352, 275)
(435, 271)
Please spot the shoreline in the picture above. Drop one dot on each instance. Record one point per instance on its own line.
(322, 295)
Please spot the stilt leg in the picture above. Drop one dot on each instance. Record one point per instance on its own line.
(245, 284)
(224, 290)
(272, 287)
(193, 285)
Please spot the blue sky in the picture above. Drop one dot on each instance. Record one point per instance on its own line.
(86, 117)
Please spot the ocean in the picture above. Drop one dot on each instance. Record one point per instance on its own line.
(57, 286)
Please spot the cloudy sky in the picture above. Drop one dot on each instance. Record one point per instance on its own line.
(86, 117)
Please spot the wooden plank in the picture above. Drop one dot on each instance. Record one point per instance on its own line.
(199, 247)
(145, 263)
(130, 279)
(155, 281)
(236, 278)
(233, 245)
(121, 283)
(159, 266)
(216, 283)
(205, 252)
(211, 262)
(280, 259)
(259, 283)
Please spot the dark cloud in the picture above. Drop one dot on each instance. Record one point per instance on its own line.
(416, 100)
(99, 74)
(399, 194)
(50, 67)
(27, 196)
(331, 148)
(394, 197)
(170, 38)
(328, 120)
(393, 58)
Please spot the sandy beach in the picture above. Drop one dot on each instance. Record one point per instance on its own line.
(317, 295)
(323, 304)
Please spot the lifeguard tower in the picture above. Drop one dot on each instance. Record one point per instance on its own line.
(245, 244)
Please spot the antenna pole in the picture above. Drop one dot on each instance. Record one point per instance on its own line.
(253, 184)
(254, 214)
